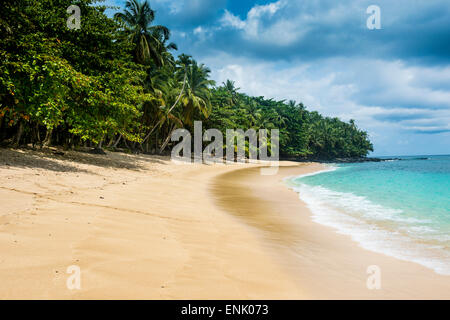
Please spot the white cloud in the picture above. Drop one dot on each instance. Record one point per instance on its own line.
(393, 83)
(198, 30)
(230, 20)
(331, 90)
(278, 30)
(258, 12)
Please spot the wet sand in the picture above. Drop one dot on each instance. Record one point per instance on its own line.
(323, 263)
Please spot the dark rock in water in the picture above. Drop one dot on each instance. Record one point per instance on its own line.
(341, 160)
(358, 160)
(352, 160)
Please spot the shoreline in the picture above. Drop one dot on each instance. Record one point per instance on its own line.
(369, 235)
(326, 264)
(141, 227)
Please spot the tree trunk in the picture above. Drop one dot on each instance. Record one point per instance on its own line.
(111, 141)
(33, 133)
(19, 134)
(126, 144)
(48, 138)
(99, 144)
(166, 142)
(70, 141)
(2, 129)
(117, 141)
(171, 108)
(38, 134)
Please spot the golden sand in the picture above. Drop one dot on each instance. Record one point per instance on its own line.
(142, 227)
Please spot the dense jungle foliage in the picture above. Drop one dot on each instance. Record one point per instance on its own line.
(116, 83)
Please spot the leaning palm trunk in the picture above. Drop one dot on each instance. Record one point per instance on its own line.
(117, 141)
(171, 108)
(166, 142)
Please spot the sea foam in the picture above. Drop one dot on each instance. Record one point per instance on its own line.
(375, 227)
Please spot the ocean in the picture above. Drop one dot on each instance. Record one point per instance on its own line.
(400, 208)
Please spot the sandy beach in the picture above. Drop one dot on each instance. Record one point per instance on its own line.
(142, 227)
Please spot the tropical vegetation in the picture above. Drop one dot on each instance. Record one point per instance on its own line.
(116, 83)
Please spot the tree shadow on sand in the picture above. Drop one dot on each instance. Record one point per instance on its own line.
(72, 161)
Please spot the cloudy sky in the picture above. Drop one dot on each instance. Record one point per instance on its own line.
(394, 81)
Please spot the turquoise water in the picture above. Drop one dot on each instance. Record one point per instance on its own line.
(399, 208)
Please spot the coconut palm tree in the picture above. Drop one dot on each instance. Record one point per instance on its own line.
(230, 87)
(166, 86)
(196, 97)
(150, 40)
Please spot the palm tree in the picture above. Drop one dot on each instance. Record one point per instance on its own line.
(230, 87)
(150, 41)
(292, 103)
(197, 95)
(194, 96)
(166, 87)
